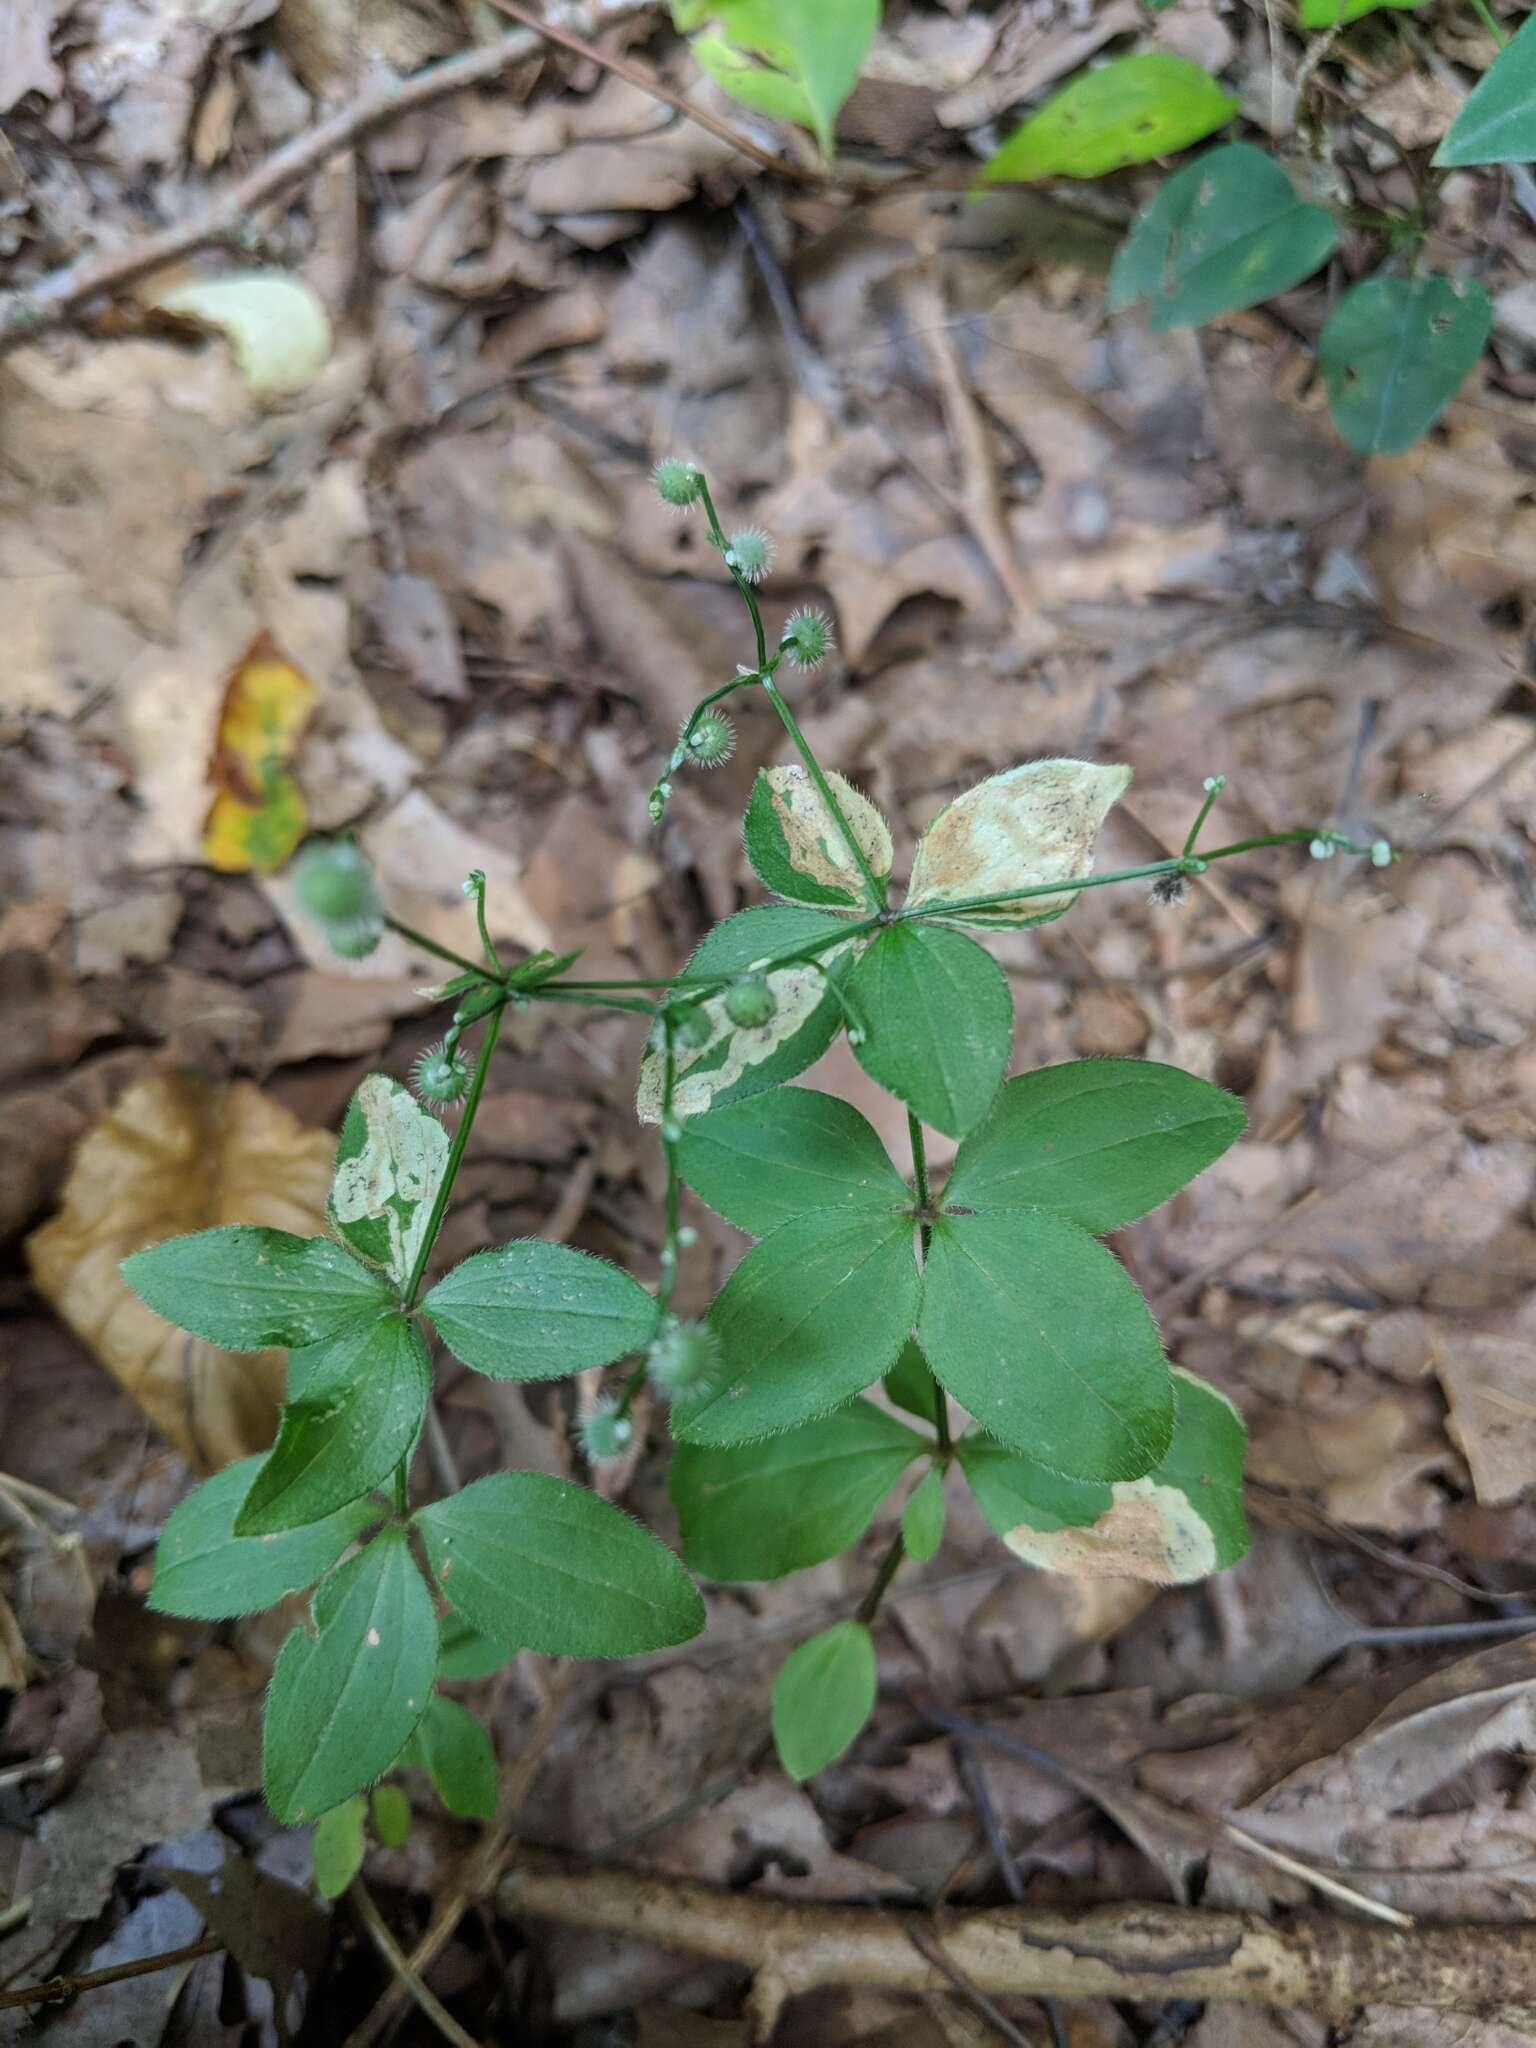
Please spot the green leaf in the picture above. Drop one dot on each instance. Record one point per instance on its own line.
(1225, 232)
(794, 843)
(343, 1701)
(1096, 1141)
(797, 60)
(338, 1846)
(1179, 1523)
(205, 1571)
(1393, 354)
(936, 1018)
(736, 1061)
(535, 1311)
(763, 1162)
(1335, 13)
(468, 1654)
(1121, 113)
(811, 1315)
(1497, 125)
(391, 1816)
(911, 1385)
(454, 1750)
(922, 1519)
(1042, 1335)
(389, 1165)
(756, 1511)
(245, 1288)
(1024, 829)
(545, 1564)
(358, 1403)
(823, 1695)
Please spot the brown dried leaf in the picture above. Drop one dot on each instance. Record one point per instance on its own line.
(178, 1154)
(1490, 1383)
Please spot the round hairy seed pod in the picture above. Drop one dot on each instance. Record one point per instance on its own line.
(691, 1026)
(684, 1361)
(712, 741)
(333, 881)
(606, 1433)
(357, 938)
(750, 553)
(807, 638)
(750, 1002)
(677, 482)
(439, 1075)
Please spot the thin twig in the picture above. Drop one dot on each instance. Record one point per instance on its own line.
(390, 1950)
(931, 1951)
(56, 1989)
(55, 299)
(1309, 1874)
(647, 81)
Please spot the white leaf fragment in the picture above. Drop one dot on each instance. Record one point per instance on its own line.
(1023, 829)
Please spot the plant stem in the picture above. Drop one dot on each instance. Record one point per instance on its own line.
(873, 884)
(670, 1249)
(1213, 788)
(717, 535)
(455, 1154)
(1485, 15)
(890, 1564)
(552, 992)
(477, 890)
(447, 953)
(920, 1188)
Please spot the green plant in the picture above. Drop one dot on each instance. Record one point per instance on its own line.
(1088, 1450)
(1229, 230)
(797, 60)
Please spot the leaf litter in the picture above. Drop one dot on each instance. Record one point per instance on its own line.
(447, 533)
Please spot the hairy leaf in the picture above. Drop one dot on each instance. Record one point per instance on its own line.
(343, 1701)
(1123, 112)
(796, 847)
(1024, 829)
(247, 1288)
(1097, 1141)
(207, 1572)
(922, 1519)
(910, 1384)
(824, 1693)
(1042, 1335)
(452, 1747)
(1225, 232)
(763, 1162)
(1395, 352)
(389, 1165)
(935, 1023)
(338, 1846)
(811, 1315)
(544, 1564)
(535, 1311)
(756, 1511)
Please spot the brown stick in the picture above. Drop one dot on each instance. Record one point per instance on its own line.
(56, 298)
(1325, 1964)
(54, 1990)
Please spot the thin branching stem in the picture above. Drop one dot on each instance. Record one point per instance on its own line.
(455, 1154)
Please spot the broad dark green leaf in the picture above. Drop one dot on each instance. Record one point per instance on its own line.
(736, 1061)
(343, 1701)
(808, 1319)
(756, 1511)
(795, 60)
(246, 1288)
(1179, 1523)
(781, 1155)
(1394, 353)
(1123, 112)
(936, 1022)
(357, 1403)
(536, 1311)
(467, 1653)
(824, 1693)
(545, 1564)
(389, 1163)
(452, 1747)
(922, 1519)
(338, 1846)
(796, 848)
(1225, 232)
(1498, 123)
(911, 1385)
(207, 1572)
(1097, 1141)
(1042, 1335)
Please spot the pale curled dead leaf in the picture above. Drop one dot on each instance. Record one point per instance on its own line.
(178, 1154)
(1032, 825)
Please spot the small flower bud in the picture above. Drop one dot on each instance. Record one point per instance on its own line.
(806, 638)
(677, 482)
(750, 553)
(1322, 849)
(1214, 784)
(656, 802)
(712, 740)
(684, 1362)
(750, 1002)
(439, 1075)
(334, 882)
(1382, 855)
(606, 1433)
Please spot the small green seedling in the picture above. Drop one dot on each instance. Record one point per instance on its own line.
(993, 1292)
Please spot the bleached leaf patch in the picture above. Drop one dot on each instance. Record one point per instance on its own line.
(1027, 827)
